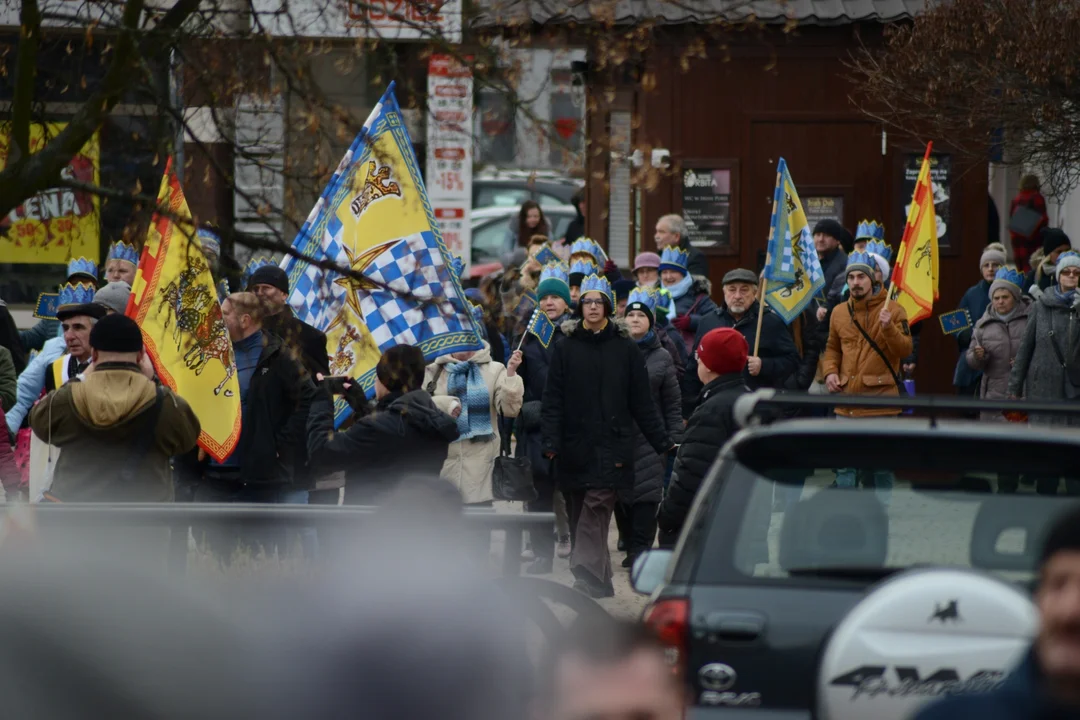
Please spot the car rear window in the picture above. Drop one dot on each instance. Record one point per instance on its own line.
(785, 510)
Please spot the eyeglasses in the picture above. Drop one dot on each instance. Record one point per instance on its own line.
(1071, 272)
(592, 301)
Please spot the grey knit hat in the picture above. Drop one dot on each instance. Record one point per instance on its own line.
(114, 296)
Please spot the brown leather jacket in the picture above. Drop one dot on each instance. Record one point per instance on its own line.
(850, 356)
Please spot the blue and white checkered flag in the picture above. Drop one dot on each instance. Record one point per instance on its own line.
(374, 218)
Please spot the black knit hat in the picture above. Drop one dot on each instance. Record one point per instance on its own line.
(642, 307)
(270, 275)
(828, 226)
(1064, 535)
(1052, 239)
(116, 333)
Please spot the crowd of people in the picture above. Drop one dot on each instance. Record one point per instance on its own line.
(620, 409)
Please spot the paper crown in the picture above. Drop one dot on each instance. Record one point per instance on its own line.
(879, 248)
(554, 271)
(120, 250)
(645, 296)
(870, 230)
(1010, 274)
(674, 258)
(597, 283)
(209, 241)
(863, 262)
(253, 265)
(76, 294)
(583, 245)
(582, 267)
(457, 266)
(83, 266)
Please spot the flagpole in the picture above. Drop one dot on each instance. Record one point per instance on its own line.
(760, 315)
(524, 334)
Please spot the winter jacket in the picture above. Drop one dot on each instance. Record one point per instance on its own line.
(306, 342)
(405, 436)
(10, 477)
(975, 301)
(576, 228)
(676, 348)
(697, 264)
(695, 305)
(1024, 247)
(834, 265)
(1022, 696)
(536, 359)
(779, 357)
(649, 467)
(809, 337)
(9, 338)
(32, 381)
(97, 423)
(469, 463)
(597, 389)
(848, 354)
(711, 425)
(36, 337)
(1001, 341)
(1041, 275)
(9, 388)
(1037, 373)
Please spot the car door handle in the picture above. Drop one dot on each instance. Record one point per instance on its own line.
(735, 625)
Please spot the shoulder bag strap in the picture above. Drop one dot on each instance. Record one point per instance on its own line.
(504, 438)
(434, 380)
(876, 349)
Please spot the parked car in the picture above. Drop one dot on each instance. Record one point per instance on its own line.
(799, 599)
(489, 227)
(511, 188)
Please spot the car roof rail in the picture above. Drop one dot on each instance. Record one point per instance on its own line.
(765, 406)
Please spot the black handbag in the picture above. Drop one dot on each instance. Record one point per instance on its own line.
(1025, 220)
(512, 477)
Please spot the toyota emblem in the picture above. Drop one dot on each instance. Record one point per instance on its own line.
(717, 676)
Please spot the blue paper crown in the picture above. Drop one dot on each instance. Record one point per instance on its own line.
(597, 251)
(876, 247)
(597, 283)
(1010, 274)
(870, 230)
(253, 265)
(861, 258)
(457, 266)
(120, 250)
(583, 267)
(645, 296)
(83, 266)
(583, 245)
(76, 294)
(209, 241)
(674, 258)
(554, 271)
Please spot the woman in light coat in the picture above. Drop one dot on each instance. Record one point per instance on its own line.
(997, 336)
(475, 390)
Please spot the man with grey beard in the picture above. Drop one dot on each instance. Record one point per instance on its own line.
(776, 358)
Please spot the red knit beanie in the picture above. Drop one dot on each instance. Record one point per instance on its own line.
(723, 351)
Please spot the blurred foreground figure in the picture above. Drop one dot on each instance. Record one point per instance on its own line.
(613, 671)
(404, 628)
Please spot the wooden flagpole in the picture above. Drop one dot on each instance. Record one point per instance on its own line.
(760, 314)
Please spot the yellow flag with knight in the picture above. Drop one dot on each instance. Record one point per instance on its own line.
(396, 284)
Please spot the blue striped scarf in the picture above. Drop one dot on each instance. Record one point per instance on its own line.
(465, 382)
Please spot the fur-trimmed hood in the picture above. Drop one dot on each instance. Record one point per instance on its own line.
(569, 326)
(700, 285)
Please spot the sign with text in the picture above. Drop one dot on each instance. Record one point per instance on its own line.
(449, 151)
(941, 181)
(823, 207)
(706, 208)
(438, 20)
(57, 224)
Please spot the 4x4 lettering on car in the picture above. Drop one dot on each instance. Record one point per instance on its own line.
(871, 681)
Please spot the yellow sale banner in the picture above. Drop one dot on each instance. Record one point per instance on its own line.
(60, 223)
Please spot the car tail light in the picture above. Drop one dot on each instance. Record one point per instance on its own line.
(669, 618)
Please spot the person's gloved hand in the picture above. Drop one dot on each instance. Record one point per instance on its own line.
(681, 323)
(610, 267)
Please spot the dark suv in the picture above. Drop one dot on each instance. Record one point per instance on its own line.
(773, 554)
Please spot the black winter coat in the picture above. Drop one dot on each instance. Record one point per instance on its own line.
(306, 342)
(814, 336)
(673, 343)
(664, 388)
(405, 436)
(273, 432)
(779, 356)
(697, 263)
(535, 361)
(711, 425)
(597, 388)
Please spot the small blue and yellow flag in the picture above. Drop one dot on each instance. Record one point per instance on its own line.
(542, 327)
(792, 269)
(546, 255)
(955, 322)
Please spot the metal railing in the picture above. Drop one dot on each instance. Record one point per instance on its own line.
(180, 516)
